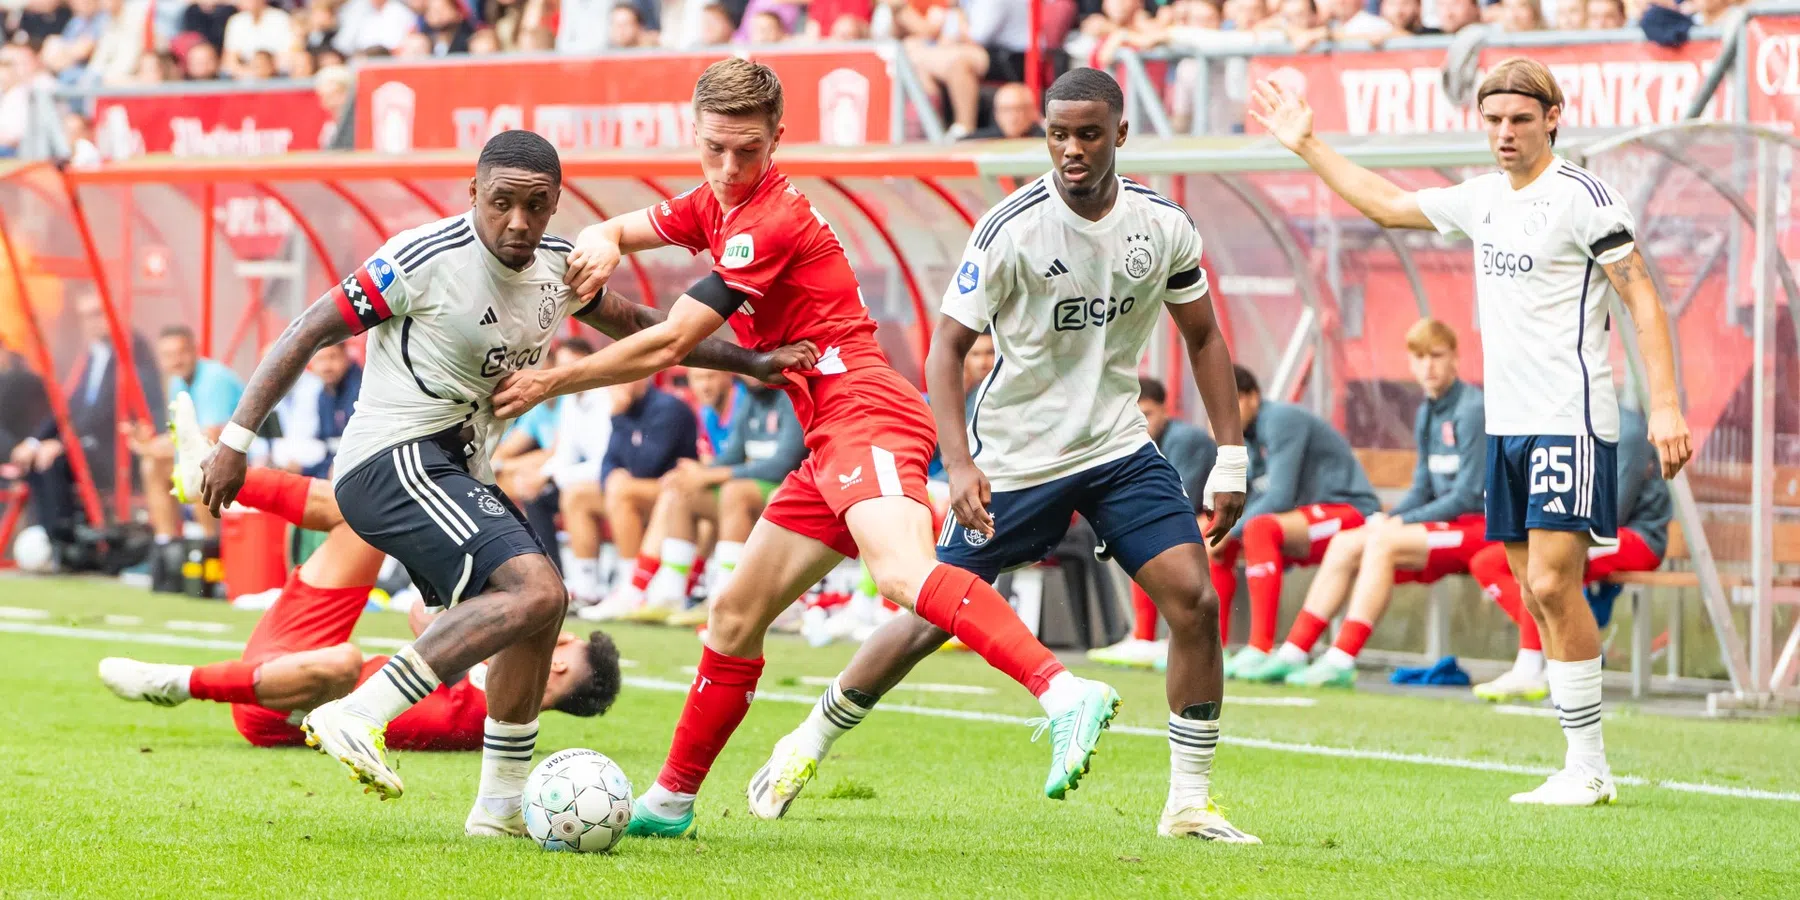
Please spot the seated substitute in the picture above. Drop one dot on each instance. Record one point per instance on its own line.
(1644, 511)
(652, 430)
(1306, 486)
(583, 434)
(1192, 452)
(1434, 531)
(766, 443)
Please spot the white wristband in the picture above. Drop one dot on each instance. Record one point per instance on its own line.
(1228, 473)
(238, 438)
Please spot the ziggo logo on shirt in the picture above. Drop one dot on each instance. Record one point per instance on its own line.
(1495, 261)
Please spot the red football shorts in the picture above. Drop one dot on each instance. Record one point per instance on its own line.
(1451, 546)
(1631, 554)
(870, 435)
(1323, 522)
(304, 618)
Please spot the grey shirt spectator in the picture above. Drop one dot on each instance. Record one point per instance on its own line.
(1644, 505)
(1298, 459)
(766, 440)
(1451, 473)
(1000, 23)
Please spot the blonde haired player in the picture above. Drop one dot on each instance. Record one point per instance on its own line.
(1553, 247)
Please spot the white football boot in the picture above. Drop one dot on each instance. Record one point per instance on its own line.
(163, 685)
(1514, 685)
(191, 448)
(781, 779)
(1131, 652)
(1573, 786)
(483, 823)
(355, 740)
(1203, 822)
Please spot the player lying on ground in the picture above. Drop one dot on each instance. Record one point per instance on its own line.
(1644, 512)
(454, 306)
(1306, 486)
(1056, 430)
(300, 654)
(1553, 248)
(1434, 531)
(780, 274)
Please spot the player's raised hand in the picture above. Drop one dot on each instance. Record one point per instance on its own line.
(969, 499)
(1669, 434)
(802, 356)
(1282, 113)
(221, 475)
(520, 391)
(1224, 510)
(592, 261)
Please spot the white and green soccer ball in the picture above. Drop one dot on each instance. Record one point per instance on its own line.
(577, 800)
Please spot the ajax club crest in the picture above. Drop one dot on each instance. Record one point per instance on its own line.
(1137, 262)
(547, 306)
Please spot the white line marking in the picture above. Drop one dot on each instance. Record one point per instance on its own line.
(930, 687)
(666, 686)
(1541, 712)
(206, 627)
(381, 643)
(122, 620)
(21, 612)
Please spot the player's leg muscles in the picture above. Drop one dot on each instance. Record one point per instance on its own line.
(1176, 580)
(306, 679)
(523, 605)
(889, 655)
(740, 503)
(1394, 545)
(778, 566)
(1554, 570)
(1331, 585)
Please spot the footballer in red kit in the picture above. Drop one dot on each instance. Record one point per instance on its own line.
(780, 276)
(300, 654)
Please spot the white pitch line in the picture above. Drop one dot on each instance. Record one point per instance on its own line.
(930, 687)
(23, 612)
(381, 643)
(675, 687)
(1541, 712)
(205, 627)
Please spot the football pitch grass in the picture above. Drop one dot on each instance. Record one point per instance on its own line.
(938, 793)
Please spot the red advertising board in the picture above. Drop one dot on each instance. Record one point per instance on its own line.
(1401, 91)
(1773, 56)
(219, 123)
(841, 96)
(211, 123)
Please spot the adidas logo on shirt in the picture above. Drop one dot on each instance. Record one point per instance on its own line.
(1056, 268)
(1556, 506)
(489, 318)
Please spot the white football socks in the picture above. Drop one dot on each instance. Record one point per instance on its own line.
(666, 804)
(1575, 691)
(669, 586)
(725, 558)
(1291, 654)
(1191, 744)
(584, 577)
(1530, 663)
(404, 681)
(506, 751)
(831, 718)
(1062, 694)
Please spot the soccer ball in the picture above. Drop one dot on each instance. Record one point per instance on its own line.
(577, 800)
(32, 550)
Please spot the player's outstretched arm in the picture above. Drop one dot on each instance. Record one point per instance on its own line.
(321, 325)
(1210, 361)
(645, 352)
(1668, 428)
(618, 318)
(1288, 117)
(970, 493)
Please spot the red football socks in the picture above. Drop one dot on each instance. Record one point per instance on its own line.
(1306, 630)
(232, 681)
(695, 574)
(1353, 636)
(645, 570)
(1144, 610)
(274, 491)
(716, 704)
(969, 608)
(1491, 571)
(1262, 570)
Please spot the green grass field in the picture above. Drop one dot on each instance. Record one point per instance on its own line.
(1357, 795)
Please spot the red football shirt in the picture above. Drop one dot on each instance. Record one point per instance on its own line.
(777, 249)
